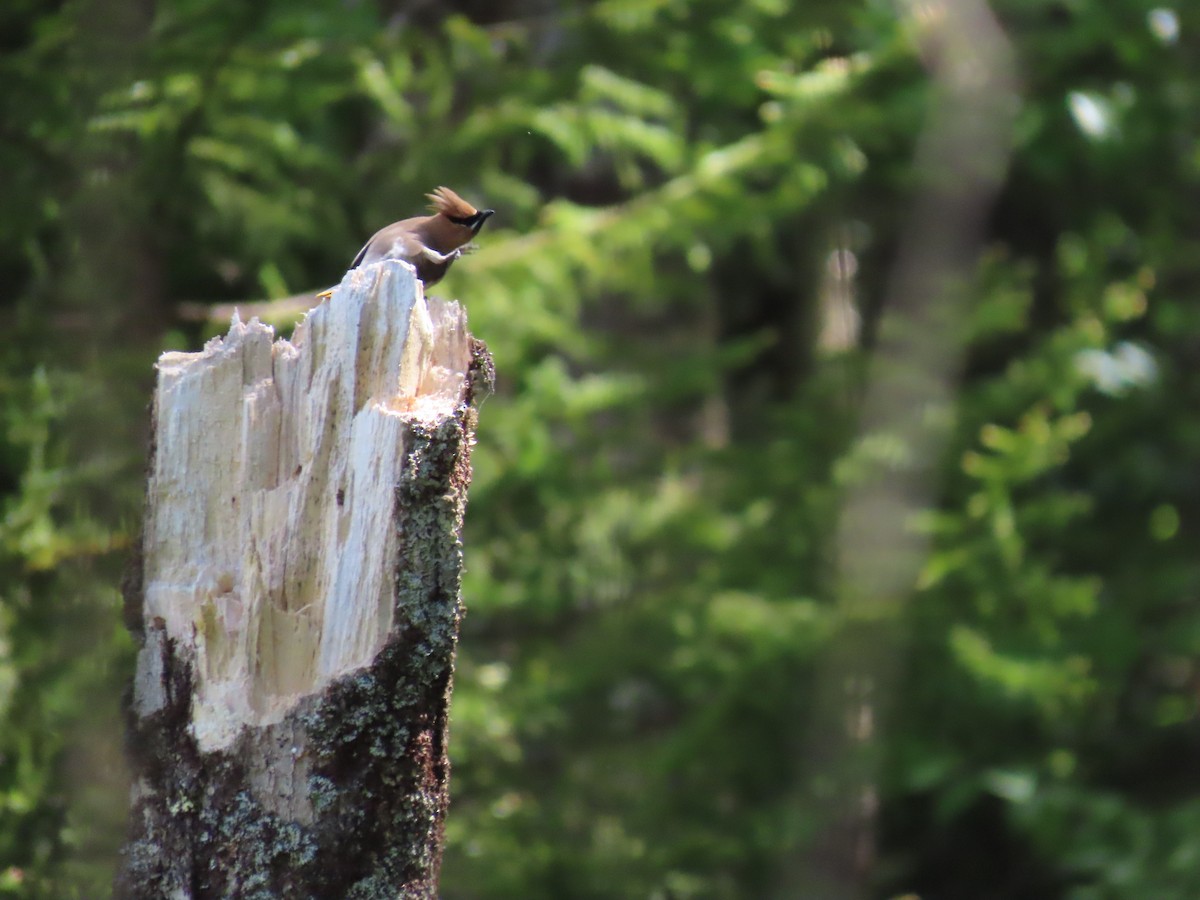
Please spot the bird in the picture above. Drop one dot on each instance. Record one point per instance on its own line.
(429, 243)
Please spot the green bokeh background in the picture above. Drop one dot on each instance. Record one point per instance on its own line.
(675, 680)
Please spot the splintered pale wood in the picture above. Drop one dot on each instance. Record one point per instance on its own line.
(297, 602)
(270, 544)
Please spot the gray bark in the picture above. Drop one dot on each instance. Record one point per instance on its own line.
(296, 599)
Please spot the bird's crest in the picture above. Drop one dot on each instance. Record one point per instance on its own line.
(449, 204)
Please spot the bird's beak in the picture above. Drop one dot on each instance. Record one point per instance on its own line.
(480, 217)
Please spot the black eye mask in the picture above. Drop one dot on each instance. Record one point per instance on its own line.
(474, 222)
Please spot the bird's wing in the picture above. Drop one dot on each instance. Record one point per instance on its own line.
(395, 241)
(361, 255)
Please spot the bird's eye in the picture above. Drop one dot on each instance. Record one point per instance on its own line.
(463, 220)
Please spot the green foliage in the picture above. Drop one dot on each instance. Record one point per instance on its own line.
(58, 644)
(656, 617)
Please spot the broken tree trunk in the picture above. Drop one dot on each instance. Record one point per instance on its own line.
(297, 602)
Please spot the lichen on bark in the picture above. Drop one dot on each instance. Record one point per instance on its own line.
(346, 794)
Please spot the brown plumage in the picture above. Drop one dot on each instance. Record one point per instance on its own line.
(430, 243)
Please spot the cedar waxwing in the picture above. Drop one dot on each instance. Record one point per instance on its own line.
(430, 243)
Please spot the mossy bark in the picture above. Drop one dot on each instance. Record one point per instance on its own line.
(346, 794)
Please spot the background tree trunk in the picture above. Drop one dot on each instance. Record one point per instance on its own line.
(297, 602)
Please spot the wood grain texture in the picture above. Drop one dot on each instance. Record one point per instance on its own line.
(297, 601)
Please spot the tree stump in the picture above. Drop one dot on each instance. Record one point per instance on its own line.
(297, 602)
